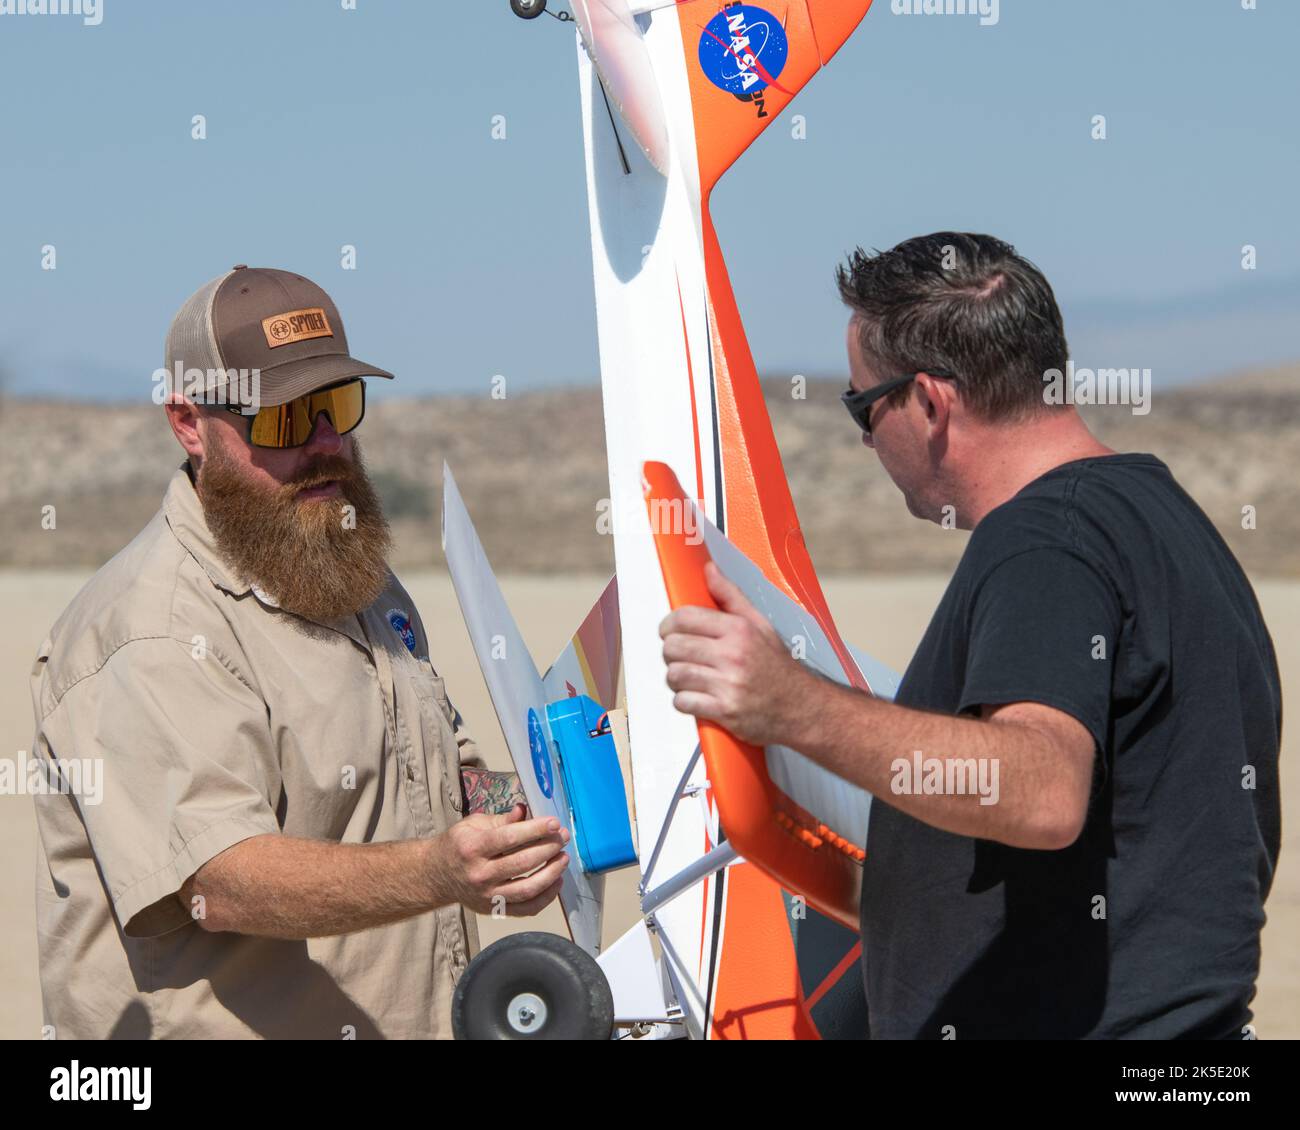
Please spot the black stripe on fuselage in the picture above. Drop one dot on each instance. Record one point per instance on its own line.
(719, 888)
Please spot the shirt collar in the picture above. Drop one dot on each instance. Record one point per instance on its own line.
(184, 513)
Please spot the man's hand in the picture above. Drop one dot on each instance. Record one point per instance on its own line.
(729, 665)
(503, 863)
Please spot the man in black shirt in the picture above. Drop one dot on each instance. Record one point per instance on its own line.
(1078, 815)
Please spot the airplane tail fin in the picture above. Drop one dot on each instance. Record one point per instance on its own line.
(745, 62)
(749, 61)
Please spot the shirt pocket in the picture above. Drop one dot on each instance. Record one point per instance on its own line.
(438, 737)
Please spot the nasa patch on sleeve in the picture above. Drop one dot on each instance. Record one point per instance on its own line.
(401, 623)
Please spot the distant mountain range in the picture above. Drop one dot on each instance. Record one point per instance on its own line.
(532, 469)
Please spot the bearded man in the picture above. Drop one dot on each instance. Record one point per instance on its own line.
(286, 841)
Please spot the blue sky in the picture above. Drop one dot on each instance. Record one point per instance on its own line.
(373, 128)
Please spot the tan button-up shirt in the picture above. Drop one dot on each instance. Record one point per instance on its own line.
(212, 716)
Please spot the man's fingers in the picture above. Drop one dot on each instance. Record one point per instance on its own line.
(535, 905)
(512, 837)
(526, 859)
(682, 648)
(694, 620)
(699, 704)
(530, 886)
(691, 677)
(500, 819)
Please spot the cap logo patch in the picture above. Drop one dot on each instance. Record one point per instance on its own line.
(296, 325)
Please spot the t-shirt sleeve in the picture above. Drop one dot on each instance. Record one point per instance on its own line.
(186, 765)
(1044, 627)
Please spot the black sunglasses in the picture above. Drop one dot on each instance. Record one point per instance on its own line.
(859, 402)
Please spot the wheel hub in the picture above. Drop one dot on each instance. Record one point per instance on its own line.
(526, 1013)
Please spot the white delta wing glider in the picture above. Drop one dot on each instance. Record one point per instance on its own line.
(750, 860)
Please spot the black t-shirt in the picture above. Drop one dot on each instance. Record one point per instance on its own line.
(1148, 925)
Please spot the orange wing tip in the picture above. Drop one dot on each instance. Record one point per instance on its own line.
(658, 479)
(766, 826)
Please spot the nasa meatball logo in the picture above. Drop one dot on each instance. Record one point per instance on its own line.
(743, 50)
(402, 626)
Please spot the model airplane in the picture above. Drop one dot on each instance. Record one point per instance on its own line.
(750, 859)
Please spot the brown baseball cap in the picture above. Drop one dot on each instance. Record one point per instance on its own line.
(259, 318)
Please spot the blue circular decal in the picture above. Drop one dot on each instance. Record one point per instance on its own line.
(541, 757)
(743, 50)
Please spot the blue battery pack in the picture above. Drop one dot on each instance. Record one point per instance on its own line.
(593, 783)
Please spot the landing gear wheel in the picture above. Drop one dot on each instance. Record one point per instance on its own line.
(533, 987)
(528, 9)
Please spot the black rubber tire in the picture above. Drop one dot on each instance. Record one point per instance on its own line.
(579, 1004)
(528, 9)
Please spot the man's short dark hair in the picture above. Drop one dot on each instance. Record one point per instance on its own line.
(959, 302)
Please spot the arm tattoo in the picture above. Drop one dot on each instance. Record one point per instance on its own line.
(487, 791)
